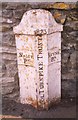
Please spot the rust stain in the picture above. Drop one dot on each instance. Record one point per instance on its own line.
(45, 107)
(17, 35)
(34, 54)
(35, 103)
(35, 13)
(26, 39)
(32, 102)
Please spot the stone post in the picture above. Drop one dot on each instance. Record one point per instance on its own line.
(38, 43)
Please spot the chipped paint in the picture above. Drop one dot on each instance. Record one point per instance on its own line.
(38, 43)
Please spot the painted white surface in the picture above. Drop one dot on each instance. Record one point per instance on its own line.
(37, 19)
(54, 66)
(38, 42)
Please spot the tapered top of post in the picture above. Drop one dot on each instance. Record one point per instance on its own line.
(37, 20)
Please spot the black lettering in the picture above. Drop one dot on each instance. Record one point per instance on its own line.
(41, 78)
(25, 60)
(40, 67)
(40, 63)
(39, 37)
(39, 57)
(40, 73)
(20, 54)
(53, 59)
(41, 85)
(41, 91)
(40, 51)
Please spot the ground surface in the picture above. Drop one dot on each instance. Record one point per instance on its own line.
(65, 109)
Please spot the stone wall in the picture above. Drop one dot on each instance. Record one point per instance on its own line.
(64, 13)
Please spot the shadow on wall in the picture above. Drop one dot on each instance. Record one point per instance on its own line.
(15, 93)
(17, 80)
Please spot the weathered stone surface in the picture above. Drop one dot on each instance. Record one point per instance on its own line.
(3, 67)
(34, 27)
(69, 75)
(6, 56)
(39, 58)
(65, 57)
(73, 34)
(73, 59)
(6, 27)
(11, 21)
(7, 20)
(73, 25)
(9, 80)
(69, 88)
(4, 5)
(68, 28)
(10, 86)
(6, 49)
(0, 20)
(7, 13)
(59, 17)
(0, 28)
(72, 16)
(7, 86)
(8, 39)
(13, 6)
(12, 69)
(61, 6)
(7, 89)
(57, 5)
(18, 13)
(45, 5)
(69, 37)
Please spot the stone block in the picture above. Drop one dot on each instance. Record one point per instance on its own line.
(60, 17)
(7, 13)
(11, 57)
(69, 75)
(73, 25)
(72, 16)
(14, 6)
(8, 39)
(69, 36)
(38, 42)
(11, 69)
(8, 49)
(6, 27)
(18, 13)
(7, 85)
(73, 59)
(68, 89)
(56, 5)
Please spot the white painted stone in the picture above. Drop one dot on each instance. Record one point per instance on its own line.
(38, 43)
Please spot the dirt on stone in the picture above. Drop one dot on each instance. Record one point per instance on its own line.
(12, 109)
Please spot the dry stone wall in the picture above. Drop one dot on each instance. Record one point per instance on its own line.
(64, 13)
